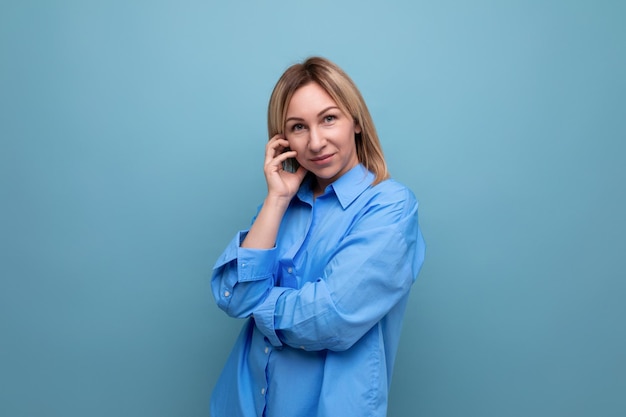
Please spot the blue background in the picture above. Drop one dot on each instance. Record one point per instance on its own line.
(132, 136)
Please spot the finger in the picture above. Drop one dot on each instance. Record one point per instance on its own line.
(283, 156)
(280, 139)
(301, 172)
(271, 150)
(275, 147)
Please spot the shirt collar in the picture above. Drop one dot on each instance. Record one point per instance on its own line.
(347, 188)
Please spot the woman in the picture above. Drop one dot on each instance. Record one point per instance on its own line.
(324, 272)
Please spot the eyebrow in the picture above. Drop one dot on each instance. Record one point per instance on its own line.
(318, 114)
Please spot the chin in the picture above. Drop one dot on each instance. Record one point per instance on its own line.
(323, 174)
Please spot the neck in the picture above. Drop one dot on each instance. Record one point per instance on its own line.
(318, 189)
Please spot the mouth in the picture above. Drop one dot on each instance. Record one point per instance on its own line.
(322, 159)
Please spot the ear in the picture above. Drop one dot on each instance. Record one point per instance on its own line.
(357, 128)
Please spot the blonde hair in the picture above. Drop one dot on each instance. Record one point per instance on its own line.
(344, 92)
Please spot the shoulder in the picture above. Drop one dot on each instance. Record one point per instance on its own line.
(392, 192)
(388, 207)
(386, 204)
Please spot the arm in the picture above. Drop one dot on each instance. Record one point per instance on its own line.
(368, 274)
(281, 187)
(244, 274)
(242, 277)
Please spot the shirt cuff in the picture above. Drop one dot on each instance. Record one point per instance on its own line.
(264, 315)
(255, 264)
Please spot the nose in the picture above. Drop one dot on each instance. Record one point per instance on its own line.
(316, 140)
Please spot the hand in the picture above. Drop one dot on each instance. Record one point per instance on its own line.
(281, 187)
(280, 183)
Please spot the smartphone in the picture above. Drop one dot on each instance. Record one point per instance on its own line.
(290, 164)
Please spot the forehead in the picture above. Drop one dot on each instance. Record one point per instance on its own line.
(310, 97)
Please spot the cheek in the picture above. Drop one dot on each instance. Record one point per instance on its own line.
(296, 143)
(301, 151)
(347, 137)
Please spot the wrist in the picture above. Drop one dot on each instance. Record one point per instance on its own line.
(277, 201)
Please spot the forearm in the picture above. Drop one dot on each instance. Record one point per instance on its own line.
(263, 232)
(359, 287)
(242, 277)
(331, 313)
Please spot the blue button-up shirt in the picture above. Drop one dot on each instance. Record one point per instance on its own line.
(324, 306)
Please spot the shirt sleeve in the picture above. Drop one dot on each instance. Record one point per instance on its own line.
(369, 273)
(242, 277)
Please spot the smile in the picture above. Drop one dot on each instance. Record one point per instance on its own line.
(320, 160)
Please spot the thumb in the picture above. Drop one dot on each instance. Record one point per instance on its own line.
(301, 173)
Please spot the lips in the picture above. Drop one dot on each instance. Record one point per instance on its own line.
(321, 159)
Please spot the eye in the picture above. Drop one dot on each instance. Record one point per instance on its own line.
(297, 127)
(329, 118)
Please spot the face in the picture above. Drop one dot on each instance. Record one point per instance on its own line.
(321, 134)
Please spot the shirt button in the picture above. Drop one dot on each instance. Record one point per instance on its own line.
(267, 350)
(262, 391)
(302, 347)
(289, 270)
(226, 293)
